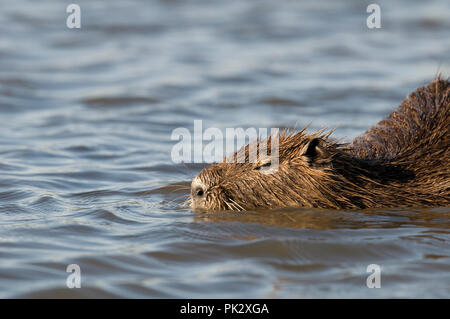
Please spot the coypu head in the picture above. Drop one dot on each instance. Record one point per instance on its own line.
(307, 166)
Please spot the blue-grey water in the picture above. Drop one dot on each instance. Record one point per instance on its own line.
(86, 175)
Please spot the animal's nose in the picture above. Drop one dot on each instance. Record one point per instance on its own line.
(198, 191)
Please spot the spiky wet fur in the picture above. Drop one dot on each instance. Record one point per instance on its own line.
(403, 161)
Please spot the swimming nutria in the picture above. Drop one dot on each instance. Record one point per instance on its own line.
(403, 161)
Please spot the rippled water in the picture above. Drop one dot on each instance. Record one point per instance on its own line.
(85, 170)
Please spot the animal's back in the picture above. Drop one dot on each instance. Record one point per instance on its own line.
(415, 137)
(420, 125)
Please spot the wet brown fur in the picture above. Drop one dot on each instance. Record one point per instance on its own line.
(403, 161)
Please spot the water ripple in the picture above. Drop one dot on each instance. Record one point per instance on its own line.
(86, 175)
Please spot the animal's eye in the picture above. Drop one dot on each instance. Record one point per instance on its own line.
(267, 164)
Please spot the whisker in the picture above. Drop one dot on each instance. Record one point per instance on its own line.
(233, 207)
(180, 189)
(187, 202)
(242, 209)
(177, 198)
(230, 206)
(227, 206)
(236, 208)
(179, 185)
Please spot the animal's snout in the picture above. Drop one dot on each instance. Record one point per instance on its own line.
(198, 191)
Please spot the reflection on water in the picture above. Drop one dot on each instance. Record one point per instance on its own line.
(86, 117)
(331, 219)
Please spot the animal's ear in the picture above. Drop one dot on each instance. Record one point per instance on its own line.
(315, 152)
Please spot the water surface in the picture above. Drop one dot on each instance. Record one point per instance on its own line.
(86, 117)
